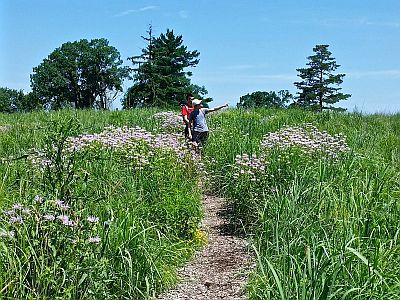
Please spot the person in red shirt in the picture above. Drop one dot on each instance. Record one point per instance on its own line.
(186, 110)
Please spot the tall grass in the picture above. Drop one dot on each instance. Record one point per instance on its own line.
(323, 221)
(323, 228)
(98, 223)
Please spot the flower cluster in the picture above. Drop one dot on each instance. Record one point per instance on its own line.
(5, 128)
(249, 165)
(48, 215)
(169, 121)
(40, 160)
(308, 139)
(123, 139)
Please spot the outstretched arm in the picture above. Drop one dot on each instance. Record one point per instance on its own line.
(217, 108)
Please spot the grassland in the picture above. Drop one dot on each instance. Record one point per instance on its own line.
(96, 210)
(320, 201)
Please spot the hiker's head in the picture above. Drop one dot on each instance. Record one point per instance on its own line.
(196, 103)
(189, 99)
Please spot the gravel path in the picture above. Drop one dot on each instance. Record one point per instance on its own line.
(219, 270)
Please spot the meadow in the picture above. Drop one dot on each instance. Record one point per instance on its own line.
(318, 193)
(93, 207)
(102, 205)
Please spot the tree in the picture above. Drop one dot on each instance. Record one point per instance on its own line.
(16, 101)
(316, 90)
(7, 98)
(159, 72)
(81, 74)
(265, 99)
(29, 102)
(199, 92)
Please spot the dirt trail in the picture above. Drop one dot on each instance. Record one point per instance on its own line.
(219, 270)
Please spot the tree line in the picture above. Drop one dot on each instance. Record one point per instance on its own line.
(89, 74)
(318, 89)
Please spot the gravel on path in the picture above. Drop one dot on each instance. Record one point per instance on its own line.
(220, 269)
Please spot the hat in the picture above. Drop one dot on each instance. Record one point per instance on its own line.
(196, 102)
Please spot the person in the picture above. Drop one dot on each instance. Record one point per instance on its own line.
(186, 110)
(199, 131)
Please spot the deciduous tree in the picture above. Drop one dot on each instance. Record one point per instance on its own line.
(81, 74)
(265, 99)
(12, 100)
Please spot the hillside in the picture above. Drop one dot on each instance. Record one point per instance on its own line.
(105, 205)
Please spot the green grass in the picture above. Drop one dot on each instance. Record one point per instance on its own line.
(320, 228)
(147, 214)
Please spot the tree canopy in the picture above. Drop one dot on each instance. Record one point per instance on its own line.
(81, 74)
(317, 88)
(12, 100)
(159, 74)
(265, 99)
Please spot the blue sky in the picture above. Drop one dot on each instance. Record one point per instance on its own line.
(244, 46)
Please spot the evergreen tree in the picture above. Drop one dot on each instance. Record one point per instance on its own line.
(316, 90)
(144, 89)
(159, 72)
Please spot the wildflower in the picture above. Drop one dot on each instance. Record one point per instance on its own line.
(16, 220)
(9, 212)
(94, 240)
(26, 211)
(92, 219)
(62, 205)
(5, 128)
(308, 139)
(49, 217)
(65, 220)
(38, 199)
(69, 223)
(17, 206)
(7, 233)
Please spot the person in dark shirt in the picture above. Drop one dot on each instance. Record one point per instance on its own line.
(198, 132)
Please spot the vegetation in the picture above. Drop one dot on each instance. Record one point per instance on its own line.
(92, 209)
(265, 99)
(81, 74)
(319, 195)
(88, 74)
(316, 90)
(160, 77)
(16, 101)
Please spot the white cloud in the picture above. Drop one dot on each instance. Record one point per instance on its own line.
(183, 14)
(362, 22)
(342, 22)
(376, 73)
(284, 77)
(239, 67)
(131, 11)
(239, 78)
(379, 23)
